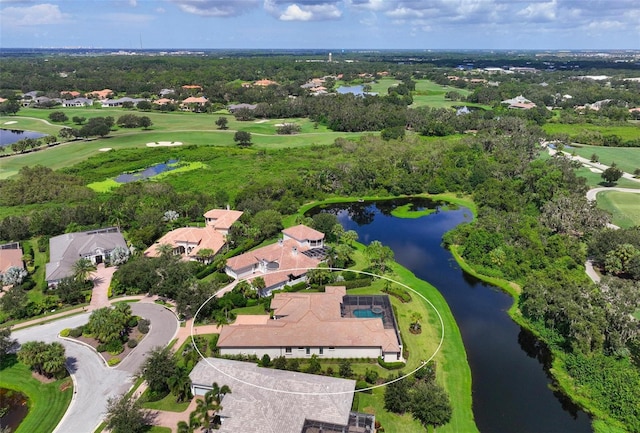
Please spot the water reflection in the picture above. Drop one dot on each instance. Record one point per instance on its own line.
(512, 391)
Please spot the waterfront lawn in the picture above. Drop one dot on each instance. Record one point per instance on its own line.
(47, 401)
(623, 206)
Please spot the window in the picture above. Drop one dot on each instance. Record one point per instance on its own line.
(321, 350)
(308, 351)
(287, 350)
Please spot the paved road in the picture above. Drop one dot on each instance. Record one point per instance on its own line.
(94, 381)
(592, 193)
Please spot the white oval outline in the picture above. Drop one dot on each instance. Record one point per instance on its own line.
(423, 364)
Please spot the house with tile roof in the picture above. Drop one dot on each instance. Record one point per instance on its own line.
(285, 262)
(10, 257)
(189, 241)
(100, 94)
(328, 325)
(77, 102)
(269, 400)
(65, 250)
(193, 101)
(519, 102)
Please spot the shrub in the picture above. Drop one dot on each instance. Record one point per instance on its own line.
(352, 283)
(361, 384)
(65, 332)
(265, 361)
(143, 325)
(280, 363)
(113, 361)
(349, 275)
(76, 332)
(113, 347)
(371, 376)
(390, 365)
(131, 343)
(133, 322)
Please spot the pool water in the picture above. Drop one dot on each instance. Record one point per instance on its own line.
(367, 313)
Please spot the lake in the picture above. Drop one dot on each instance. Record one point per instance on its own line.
(10, 136)
(16, 406)
(356, 90)
(148, 172)
(511, 387)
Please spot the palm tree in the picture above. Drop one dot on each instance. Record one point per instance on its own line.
(211, 402)
(165, 250)
(349, 237)
(82, 268)
(194, 423)
(180, 384)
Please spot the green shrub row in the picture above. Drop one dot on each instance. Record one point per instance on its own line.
(390, 365)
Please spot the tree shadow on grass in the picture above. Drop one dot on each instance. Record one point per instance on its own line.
(8, 361)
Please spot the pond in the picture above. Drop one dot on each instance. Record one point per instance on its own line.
(13, 408)
(356, 90)
(148, 172)
(10, 136)
(511, 386)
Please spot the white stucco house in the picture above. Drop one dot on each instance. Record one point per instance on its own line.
(188, 241)
(285, 262)
(329, 325)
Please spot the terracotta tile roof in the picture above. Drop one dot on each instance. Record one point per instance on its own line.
(10, 258)
(163, 101)
(282, 253)
(71, 93)
(303, 233)
(314, 322)
(203, 237)
(264, 83)
(224, 218)
(192, 86)
(101, 94)
(194, 100)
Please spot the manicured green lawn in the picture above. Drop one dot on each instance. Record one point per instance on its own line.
(47, 402)
(594, 180)
(623, 206)
(626, 132)
(253, 310)
(168, 403)
(626, 158)
(187, 128)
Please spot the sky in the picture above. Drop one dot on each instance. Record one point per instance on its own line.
(320, 24)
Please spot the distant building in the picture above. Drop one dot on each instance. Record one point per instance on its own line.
(519, 103)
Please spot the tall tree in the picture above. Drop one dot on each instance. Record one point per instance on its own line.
(7, 344)
(222, 122)
(157, 369)
(124, 415)
(430, 404)
(242, 138)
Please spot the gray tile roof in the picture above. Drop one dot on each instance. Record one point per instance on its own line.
(250, 409)
(65, 250)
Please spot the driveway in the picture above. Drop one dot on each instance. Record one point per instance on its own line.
(94, 381)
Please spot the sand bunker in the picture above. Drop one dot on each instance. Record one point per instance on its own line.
(10, 122)
(164, 144)
(261, 121)
(105, 149)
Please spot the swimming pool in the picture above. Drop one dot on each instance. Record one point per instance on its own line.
(366, 313)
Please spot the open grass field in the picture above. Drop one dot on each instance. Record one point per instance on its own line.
(594, 180)
(187, 128)
(626, 132)
(626, 158)
(47, 402)
(624, 207)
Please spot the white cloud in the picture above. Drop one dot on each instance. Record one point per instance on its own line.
(306, 10)
(35, 15)
(133, 3)
(216, 8)
(539, 11)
